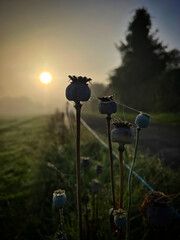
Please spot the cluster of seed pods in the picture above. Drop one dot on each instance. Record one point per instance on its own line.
(79, 91)
(122, 135)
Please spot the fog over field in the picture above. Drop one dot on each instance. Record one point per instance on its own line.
(69, 37)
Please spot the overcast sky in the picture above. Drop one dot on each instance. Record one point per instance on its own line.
(70, 37)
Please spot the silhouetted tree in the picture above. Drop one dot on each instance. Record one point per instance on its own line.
(144, 61)
(168, 98)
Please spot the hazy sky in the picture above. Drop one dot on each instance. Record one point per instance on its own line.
(70, 37)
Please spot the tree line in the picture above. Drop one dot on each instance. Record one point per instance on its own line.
(149, 75)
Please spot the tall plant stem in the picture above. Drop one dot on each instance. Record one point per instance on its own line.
(93, 217)
(78, 114)
(121, 150)
(86, 211)
(97, 205)
(130, 185)
(87, 221)
(61, 217)
(111, 161)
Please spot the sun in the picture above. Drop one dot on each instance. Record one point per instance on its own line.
(45, 77)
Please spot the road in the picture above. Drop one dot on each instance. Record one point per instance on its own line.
(158, 139)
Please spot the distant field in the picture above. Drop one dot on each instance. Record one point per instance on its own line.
(17, 134)
(7, 122)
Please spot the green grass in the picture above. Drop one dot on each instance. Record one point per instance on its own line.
(28, 144)
(169, 118)
(17, 136)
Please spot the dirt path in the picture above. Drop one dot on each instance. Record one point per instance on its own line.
(160, 139)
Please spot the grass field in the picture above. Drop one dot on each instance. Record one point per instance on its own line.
(17, 135)
(37, 156)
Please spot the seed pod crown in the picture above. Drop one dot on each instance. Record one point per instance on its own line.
(122, 124)
(106, 98)
(79, 79)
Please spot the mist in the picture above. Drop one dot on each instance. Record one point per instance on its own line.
(66, 38)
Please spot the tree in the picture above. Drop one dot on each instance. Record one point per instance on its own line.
(168, 98)
(144, 59)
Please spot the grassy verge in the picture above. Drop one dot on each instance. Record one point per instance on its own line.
(38, 156)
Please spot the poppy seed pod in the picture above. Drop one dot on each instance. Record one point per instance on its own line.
(95, 185)
(59, 198)
(142, 120)
(107, 105)
(120, 218)
(85, 162)
(99, 169)
(78, 89)
(122, 133)
(156, 209)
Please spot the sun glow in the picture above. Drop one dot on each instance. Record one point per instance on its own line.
(45, 77)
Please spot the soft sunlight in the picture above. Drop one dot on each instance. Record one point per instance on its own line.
(45, 77)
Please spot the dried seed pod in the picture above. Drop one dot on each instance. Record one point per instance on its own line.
(120, 218)
(156, 209)
(85, 162)
(95, 185)
(99, 169)
(107, 105)
(59, 198)
(142, 120)
(78, 89)
(122, 133)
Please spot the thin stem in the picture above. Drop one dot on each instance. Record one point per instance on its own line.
(87, 221)
(111, 161)
(78, 114)
(93, 205)
(121, 150)
(85, 197)
(93, 217)
(61, 219)
(97, 203)
(130, 185)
